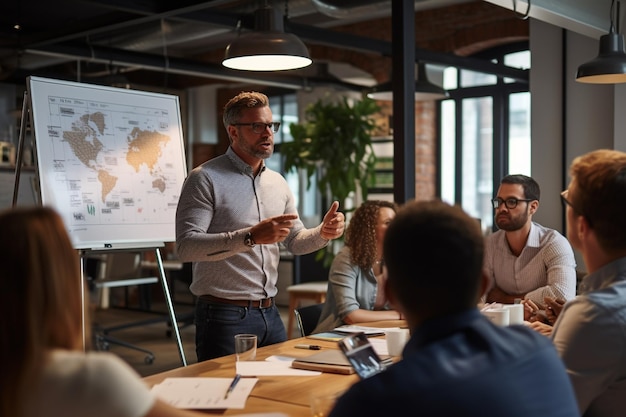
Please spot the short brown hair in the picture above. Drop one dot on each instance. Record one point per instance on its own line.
(243, 100)
(600, 195)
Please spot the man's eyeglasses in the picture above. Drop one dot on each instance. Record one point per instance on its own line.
(564, 199)
(510, 203)
(566, 203)
(258, 127)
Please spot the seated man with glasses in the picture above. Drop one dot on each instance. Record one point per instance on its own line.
(525, 260)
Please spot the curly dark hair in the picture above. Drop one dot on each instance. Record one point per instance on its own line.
(361, 232)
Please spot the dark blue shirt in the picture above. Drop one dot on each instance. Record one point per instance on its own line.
(463, 365)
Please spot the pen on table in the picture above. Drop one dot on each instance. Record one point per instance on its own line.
(232, 385)
(310, 347)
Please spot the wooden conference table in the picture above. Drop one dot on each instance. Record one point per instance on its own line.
(287, 394)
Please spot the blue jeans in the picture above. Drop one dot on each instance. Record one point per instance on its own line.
(217, 324)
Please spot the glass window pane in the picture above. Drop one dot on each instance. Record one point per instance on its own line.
(450, 78)
(473, 78)
(519, 60)
(519, 133)
(448, 150)
(477, 159)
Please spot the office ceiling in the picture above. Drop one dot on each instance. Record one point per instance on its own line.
(180, 44)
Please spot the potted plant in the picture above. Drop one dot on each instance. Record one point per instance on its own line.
(335, 141)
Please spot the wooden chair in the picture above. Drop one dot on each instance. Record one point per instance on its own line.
(307, 318)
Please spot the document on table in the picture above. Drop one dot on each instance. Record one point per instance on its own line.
(369, 331)
(274, 365)
(204, 393)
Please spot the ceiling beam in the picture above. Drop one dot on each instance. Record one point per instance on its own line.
(154, 62)
(587, 17)
(309, 34)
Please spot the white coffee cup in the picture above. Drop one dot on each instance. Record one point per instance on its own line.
(396, 339)
(499, 316)
(516, 313)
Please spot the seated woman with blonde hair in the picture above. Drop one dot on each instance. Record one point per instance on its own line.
(45, 370)
(356, 278)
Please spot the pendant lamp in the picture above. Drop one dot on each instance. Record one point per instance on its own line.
(609, 67)
(424, 89)
(268, 47)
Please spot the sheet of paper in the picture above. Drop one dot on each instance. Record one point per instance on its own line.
(268, 414)
(380, 346)
(271, 367)
(353, 328)
(204, 393)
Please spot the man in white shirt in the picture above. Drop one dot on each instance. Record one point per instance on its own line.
(525, 260)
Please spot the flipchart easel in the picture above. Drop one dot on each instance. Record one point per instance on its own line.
(26, 122)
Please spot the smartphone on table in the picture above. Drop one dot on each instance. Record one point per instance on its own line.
(361, 355)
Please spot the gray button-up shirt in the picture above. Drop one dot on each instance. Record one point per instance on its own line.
(220, 202)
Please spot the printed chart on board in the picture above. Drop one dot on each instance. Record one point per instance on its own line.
(110, 160)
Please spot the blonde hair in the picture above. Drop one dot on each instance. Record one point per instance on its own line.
(40, 299)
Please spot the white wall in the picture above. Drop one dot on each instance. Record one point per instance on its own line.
(568, 118)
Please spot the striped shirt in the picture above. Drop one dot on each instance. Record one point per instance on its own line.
(219, 203)
(545, 268)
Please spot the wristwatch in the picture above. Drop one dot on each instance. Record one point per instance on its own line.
(248, 240)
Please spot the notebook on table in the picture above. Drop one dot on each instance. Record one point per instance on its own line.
(326, 360)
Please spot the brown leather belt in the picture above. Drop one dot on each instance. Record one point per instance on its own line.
(264, 303)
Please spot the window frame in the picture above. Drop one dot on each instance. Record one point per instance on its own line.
(500, 92)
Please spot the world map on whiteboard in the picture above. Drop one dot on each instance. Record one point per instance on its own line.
(111, 161)
(144, 148)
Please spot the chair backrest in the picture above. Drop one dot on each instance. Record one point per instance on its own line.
(121, 269)
(307, 317)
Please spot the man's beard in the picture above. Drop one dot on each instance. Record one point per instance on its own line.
(513, 223)
(257, 153)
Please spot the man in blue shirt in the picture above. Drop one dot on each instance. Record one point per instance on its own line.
(457, 362)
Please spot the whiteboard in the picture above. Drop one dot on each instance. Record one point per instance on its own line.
(110, 160)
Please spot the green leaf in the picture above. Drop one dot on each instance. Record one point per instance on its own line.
(335, 143)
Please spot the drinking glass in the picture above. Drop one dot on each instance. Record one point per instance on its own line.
(245, 347)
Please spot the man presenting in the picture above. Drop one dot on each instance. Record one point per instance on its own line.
(232, 213)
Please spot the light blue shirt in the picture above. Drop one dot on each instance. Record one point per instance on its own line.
(220, 202)
(590, 336)
(349, 288)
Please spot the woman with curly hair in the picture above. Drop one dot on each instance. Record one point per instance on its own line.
(356, 279)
